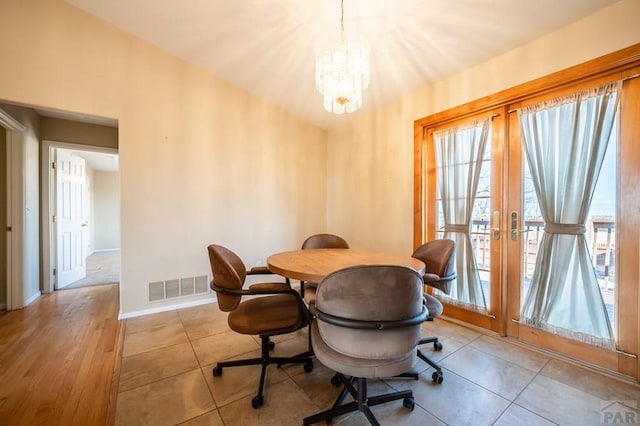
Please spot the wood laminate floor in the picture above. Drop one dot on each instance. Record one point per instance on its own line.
(58, 357)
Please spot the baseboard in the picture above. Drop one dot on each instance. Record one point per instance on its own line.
(32, 298)
(3, 306)
(166, 308)
(105, 250)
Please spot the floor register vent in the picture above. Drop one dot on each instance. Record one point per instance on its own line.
(179, 287)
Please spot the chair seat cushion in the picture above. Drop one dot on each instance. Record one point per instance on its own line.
(359, 367)
(310, 290)
(268, 315)
(434, 306)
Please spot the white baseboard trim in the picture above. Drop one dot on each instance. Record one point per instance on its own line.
(32, 298)
(166, 308)
(105, 250)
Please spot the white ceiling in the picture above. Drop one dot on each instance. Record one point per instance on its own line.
(267, 46)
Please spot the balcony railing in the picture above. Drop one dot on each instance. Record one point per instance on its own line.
(600, 237)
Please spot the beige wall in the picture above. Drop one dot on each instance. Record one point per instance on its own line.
(25, 214)
(200, 161)
(370, 160)
(3, 217)
(59, 130)
(106, 210)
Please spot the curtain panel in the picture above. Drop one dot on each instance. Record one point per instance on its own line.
(564, 142)
(459, 155)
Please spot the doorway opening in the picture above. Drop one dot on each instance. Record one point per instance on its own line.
(84, 206)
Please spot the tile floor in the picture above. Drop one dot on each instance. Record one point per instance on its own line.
(166, 379)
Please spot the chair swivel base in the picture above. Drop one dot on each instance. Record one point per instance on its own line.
(265, 360)
(361, 402)
(437, 346)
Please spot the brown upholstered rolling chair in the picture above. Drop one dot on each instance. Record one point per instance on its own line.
(308, 290)
(367, 324)
(439, 256)
(280, 310)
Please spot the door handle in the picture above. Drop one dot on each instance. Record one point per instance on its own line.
(496, 225)
(85, 224)
(514, 226)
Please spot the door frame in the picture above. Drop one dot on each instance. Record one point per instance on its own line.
(48, 197)
(13, 227)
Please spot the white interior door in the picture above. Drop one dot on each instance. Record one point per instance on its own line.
(70, 218)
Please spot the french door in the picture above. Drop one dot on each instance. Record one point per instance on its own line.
(505, 230)
(610, 238)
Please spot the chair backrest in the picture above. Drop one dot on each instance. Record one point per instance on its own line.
(371, 293)
(228, 272)
(439, 257)
(324, 241)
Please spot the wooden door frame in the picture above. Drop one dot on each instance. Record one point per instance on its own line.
(48, 202)
(14, 226)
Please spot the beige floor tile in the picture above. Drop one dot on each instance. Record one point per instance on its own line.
(202, 321)
(284, 404)
(390, 413)
(560, 403)
(158, 364)
(212, 418)
(242, 381)
(591, 382)
(222, 346)
(145, 322)
(457, 401)
(161, 383)
(511, 352)
(449, 346)
(495, 374)
(442, 328)
(518, 416)
(165, 402)
(149, 339)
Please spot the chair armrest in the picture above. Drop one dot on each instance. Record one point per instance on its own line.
(277, 287)
(367, 325)
(259, 270)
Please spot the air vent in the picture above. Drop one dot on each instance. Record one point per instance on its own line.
(179, 287)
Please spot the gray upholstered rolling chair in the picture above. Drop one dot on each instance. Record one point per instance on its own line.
(439, 256)
(308, 290)
(367, 324)
(279, 310)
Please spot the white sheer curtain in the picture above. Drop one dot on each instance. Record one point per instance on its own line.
(459, 155)
(565, 141)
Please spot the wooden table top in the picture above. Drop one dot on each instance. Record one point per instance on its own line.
(314, 264)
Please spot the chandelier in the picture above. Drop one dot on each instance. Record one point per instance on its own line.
(342, 70)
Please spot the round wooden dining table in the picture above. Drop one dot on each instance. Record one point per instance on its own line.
(313, 265)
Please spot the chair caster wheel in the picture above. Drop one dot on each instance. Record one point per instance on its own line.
(217, 371)
(437, 346)
(437, 377)
(336, 381)
(257, 402)
(272, 345)
(409, 404)
(308, 367)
